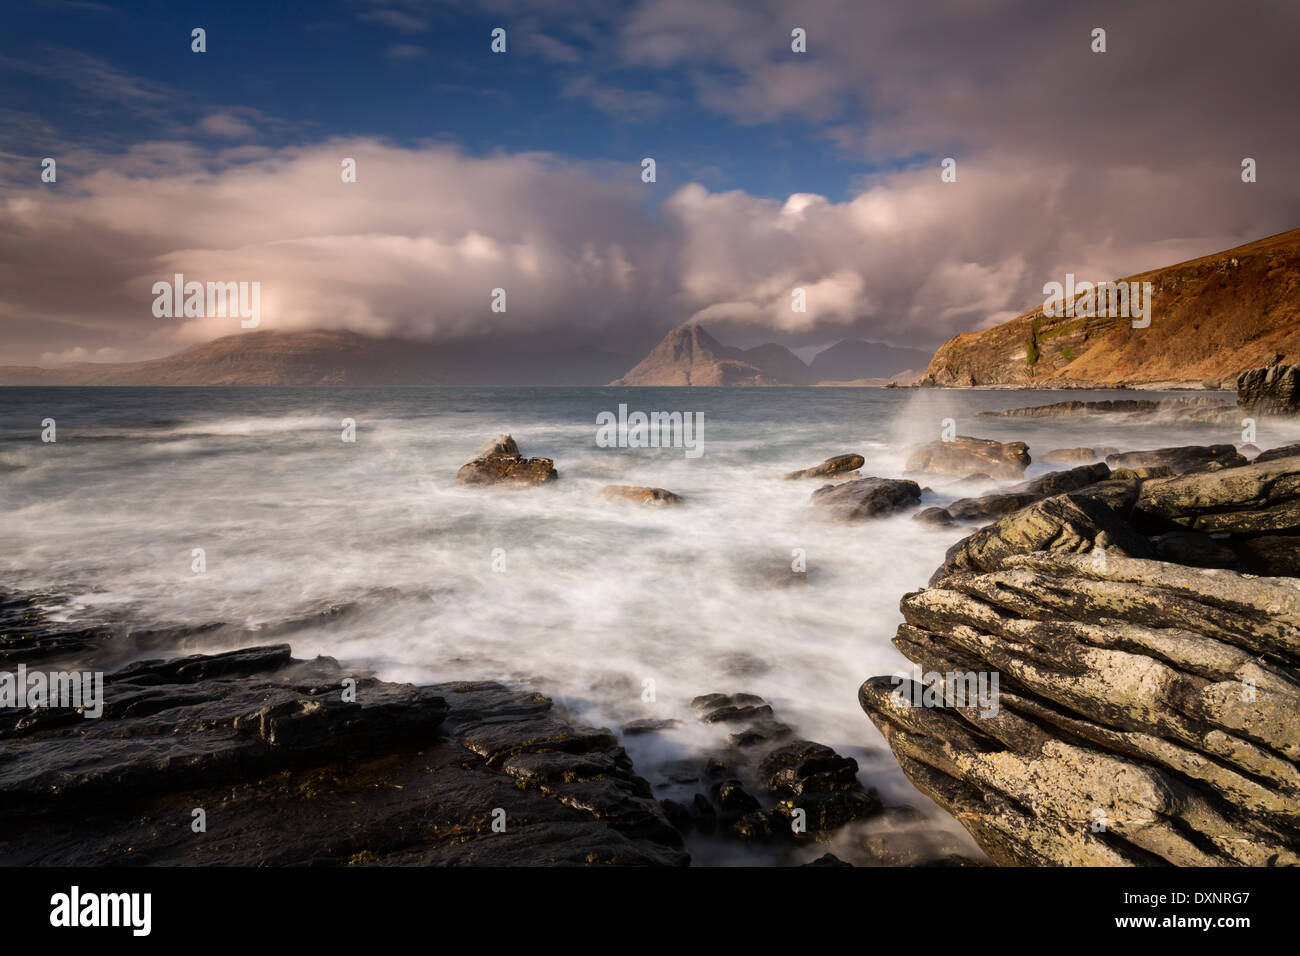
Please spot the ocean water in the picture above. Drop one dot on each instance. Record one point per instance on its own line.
(372, 553)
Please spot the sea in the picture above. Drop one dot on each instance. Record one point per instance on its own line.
(233, 516)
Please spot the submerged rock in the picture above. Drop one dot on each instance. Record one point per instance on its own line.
(809, 789)
(965, 456)
(840, 465)
(867, 498)
(639, 495)
(1147, 712)
(499, 461)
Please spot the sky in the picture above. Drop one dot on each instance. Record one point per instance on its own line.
(522, 170)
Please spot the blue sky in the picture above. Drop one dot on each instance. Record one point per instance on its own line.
(107, 74)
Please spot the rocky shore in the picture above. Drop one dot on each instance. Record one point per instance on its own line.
(1146, 634)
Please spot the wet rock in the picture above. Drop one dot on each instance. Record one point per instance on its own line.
(638, 495)
(839, 466)
(500, 461)
(1273, 454)
(867, 498)
(1182, 460)
(989, 506)
(828, 859)
(648, 726)
(935, 516)
(291, 771)
(802, 780)
(965, 456)
(1270, 391)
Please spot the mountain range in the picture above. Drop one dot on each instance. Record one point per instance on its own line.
(688, 355)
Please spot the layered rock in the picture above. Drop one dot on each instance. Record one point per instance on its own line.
(1270, 391)
(964, 456)
(499, 461)
(1147, 710)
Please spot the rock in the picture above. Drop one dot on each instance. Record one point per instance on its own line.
(1178, 408)
(1273, 454)
(1056, 482)
(637, 495)
(1072, 523)
(963, 456)
(794, 775)
(867, 498)
(935, 516)
(1180, 461)
(1070, 456)
(839, 465)
(1155, 471)
(1270, 391)
(1147, 712)
(291, 773)
(649, 725)
(990, 506)
(499, 461)
(828, 859)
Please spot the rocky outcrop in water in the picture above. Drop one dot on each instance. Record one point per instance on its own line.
(964, 456)
(1270, 391)
(638, 495)
(866, 498)
(500, 462)
(840, 466)
(1147, 710)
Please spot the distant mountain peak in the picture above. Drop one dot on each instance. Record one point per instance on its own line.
(689, 355)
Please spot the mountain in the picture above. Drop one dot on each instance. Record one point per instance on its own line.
(1211, 318)
(854, 359)
(688, 355)
(325, 357)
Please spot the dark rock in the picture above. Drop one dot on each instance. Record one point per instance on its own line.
(935, 516)
(1182, 460)
(290, 773)
(828, 859)
(867, 498)
(1273, 454)
(1270, 391)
